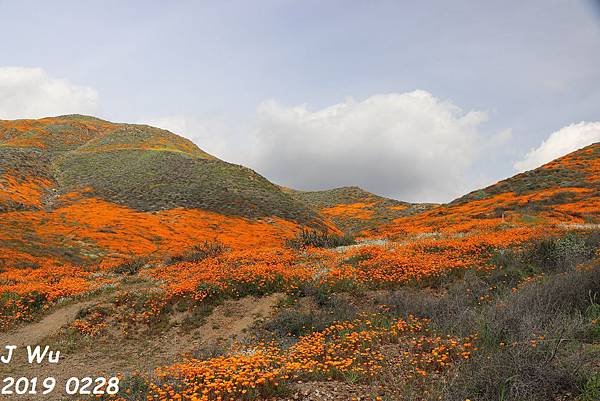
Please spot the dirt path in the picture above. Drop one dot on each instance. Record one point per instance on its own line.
(32, 334)
(234, 318)
(108, 356)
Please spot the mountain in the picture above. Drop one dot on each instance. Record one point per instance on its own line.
(122, 239)
(67, 172)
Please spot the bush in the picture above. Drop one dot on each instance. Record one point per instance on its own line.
(454, 312)
(198, 253)
(519, 372)
(319, 239)
(562, 253)
(131, 267)
(321, 294)
(591, 389)
(296, 321)
(537, 305)
(532, 341)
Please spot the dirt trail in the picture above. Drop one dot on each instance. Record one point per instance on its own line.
(33, 333)
(107, 356)
(235, 317)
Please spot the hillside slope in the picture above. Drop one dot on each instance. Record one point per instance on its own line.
(79, 189)
(138, 166)
(564, 191)
(354, 210)
(68, 171)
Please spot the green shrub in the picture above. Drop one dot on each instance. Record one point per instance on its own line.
(531, 341)
(295, 321)
(130, 267)
(198, 253)
(515, 373)
(319, 239)
(592, 314)
(561, 253)
(590, 391)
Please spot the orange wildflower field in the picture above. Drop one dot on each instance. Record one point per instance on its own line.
(412, 299)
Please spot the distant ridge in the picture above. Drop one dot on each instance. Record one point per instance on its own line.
(353, 209)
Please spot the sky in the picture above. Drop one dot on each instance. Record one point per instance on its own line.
(419, 101)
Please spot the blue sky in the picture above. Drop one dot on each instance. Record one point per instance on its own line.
(415, 100)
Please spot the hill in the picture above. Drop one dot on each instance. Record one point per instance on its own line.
(354, 210)
(139, 166)
(67, 172)
(563, 191)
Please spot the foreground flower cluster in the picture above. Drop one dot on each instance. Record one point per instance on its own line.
(345, 349)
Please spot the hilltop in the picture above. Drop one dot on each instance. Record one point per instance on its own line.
(139, 166)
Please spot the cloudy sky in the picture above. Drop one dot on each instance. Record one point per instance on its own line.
(421, 101)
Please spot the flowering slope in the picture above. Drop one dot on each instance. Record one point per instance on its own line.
(76, 189)
(354, 209)
(342, 349)
(564, 191)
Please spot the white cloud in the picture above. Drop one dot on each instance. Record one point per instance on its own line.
(410, 146)
(560, 143)
(32, 93)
